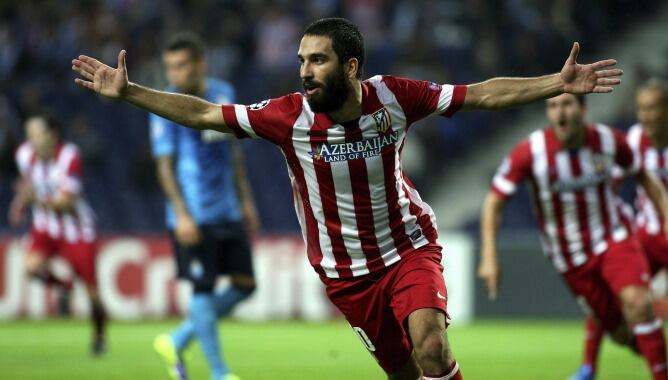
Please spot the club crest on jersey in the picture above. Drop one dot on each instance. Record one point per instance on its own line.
(382, 119)
(599, 163)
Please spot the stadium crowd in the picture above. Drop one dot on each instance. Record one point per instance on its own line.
(253, 45)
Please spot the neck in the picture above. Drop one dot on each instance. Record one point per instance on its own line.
(49, 152)
(577, 140)
(352, 107)
(199, 89)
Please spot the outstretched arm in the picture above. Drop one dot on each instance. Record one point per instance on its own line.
(574, 78)
(489, 270)
(113, 83)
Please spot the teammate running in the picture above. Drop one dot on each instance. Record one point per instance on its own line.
(584, 231)
(62, 222)
(649, 142)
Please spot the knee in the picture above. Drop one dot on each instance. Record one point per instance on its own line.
(244, 282)
(429, 346)
(34, 265)
(637, 305)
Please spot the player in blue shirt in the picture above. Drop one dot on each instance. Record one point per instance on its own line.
(209, 210)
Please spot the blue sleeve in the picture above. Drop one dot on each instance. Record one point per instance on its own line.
(222, 92)
(229, 93)
(162, 136)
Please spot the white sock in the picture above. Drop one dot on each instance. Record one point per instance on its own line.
(449, 376)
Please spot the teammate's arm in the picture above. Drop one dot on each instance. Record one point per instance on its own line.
(489, 269)
(656, 193)
(186, 230)
(24, 196)
(500, 93)
(113, 83)
(248, 209)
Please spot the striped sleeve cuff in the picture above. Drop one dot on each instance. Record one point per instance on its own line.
(503, 187)
(458, 94)
(236, 117)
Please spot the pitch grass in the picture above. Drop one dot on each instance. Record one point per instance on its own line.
(532, 350)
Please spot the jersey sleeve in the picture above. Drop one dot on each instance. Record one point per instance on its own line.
(72, 173)
(22, 157)
(420, 99)
(633, 139)
(512, 171)
(269, 119)
(162, 136)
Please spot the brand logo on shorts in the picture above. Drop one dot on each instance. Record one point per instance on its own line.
(382, 119)
(439, 295)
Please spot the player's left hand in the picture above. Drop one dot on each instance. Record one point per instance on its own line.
(588, 78)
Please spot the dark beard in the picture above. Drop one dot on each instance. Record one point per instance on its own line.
(332, 94)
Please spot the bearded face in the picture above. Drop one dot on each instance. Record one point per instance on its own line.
(329, 95)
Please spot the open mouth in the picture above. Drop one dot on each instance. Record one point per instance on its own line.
(311, 89)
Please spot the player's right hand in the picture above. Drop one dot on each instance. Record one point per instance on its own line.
(187, 232)
(101, 78)
(490, 272)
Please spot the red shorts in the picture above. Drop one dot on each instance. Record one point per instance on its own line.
(80, 255)
(377, 305)
(656, 250)
(597, 284)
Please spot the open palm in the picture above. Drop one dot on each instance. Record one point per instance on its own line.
(585, 79)
(101, 78)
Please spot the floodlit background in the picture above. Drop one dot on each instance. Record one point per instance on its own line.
(531, 332)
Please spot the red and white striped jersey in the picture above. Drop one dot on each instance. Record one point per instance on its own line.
(654, 160)
(576, 207)
(61, 174)
(359, 213)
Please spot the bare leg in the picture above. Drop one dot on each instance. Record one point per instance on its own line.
(430, 342)
(647, 329)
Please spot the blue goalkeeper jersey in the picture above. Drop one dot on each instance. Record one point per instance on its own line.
(203, 163)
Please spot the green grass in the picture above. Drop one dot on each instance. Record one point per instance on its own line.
(515, 350)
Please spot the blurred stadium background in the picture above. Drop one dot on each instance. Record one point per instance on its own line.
(531, 332)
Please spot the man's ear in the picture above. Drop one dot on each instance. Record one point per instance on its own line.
(353, 68)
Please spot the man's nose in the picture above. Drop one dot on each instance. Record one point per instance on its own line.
(305, 71)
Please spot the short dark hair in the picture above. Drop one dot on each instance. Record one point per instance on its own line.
(187, 41)
(347, 40)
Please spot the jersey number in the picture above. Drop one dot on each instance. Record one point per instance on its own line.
(365, 339)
